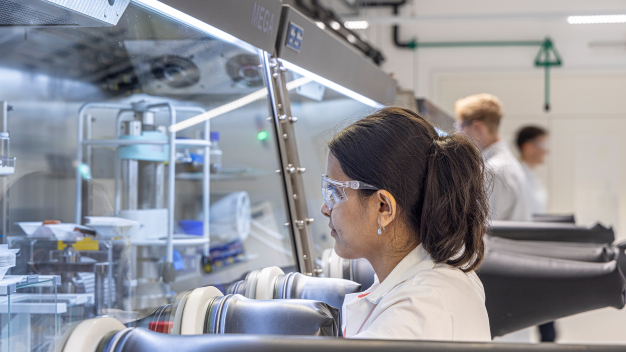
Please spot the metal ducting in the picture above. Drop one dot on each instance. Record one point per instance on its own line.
(61, 13)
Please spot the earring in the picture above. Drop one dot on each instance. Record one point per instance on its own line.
(380, 232)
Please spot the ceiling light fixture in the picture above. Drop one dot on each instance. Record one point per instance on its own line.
(321, 25)
(335, 25)
(601, 19)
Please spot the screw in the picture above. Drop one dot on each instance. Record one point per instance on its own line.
(269, 118)
(301, 170)
(295, 197)
(285, 136)
(287, 224)
(275, 75)
(293, 119)
(105, 15)
(309, 221)
(282, 117)
(278, 171)
(290, 168)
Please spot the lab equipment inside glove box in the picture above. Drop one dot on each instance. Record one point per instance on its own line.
(30, 312)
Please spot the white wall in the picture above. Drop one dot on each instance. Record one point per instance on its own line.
(587, 121)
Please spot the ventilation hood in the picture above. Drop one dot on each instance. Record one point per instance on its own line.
(61, 13)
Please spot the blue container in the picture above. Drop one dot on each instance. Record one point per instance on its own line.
(191, 227)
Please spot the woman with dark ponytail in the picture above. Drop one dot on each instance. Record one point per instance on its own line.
(414, 205)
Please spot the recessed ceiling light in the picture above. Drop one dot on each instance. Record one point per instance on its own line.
(321, 25)
(335, 25)
(601, 19)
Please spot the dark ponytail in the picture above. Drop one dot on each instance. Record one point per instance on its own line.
(455, 211)
(438, 182)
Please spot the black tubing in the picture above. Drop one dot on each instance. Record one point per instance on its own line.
(552, 232)
(524, 290)
(141, 340)
(585, 252)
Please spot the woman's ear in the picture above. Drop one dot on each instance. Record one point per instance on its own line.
(387, 207)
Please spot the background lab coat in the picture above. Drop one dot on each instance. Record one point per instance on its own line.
(508, 191)
(538, 194)
(419, 300)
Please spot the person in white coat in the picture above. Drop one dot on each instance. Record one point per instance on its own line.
(478, 117)
(533, 147)
(414, 205)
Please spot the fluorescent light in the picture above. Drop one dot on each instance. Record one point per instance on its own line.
(168, 11)
(335, 25)
(233, 105)
(298, 82)
(596, 19)
(332, 85)
(321, 25)
(356, 24)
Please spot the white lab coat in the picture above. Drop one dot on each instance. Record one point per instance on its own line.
(538, 194)
(508, 198)
(419, 300)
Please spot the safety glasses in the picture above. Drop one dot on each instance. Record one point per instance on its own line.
(333, 191)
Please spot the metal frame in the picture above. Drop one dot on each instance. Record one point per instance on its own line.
(276, 104)
(4, 206)
(171, 185)
(291, 171)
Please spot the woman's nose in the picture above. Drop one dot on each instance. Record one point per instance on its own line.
(325, 211)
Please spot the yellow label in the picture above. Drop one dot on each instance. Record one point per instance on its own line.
(87, 244)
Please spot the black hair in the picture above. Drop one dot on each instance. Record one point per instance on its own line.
(528, 134)
(438, 182)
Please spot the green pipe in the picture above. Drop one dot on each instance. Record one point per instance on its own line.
(547, 89)
(417, 45)
(542, 58)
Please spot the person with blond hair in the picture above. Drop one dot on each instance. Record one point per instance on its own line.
(478, 117)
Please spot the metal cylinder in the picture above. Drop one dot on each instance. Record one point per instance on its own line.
(130, 171)
(151, 176)
(146, 118)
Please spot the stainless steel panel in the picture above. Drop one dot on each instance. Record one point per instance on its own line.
(255, 22)
(331, 58)
(70, 13)
(435, 115)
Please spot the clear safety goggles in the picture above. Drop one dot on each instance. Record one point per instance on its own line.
(334, 192)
